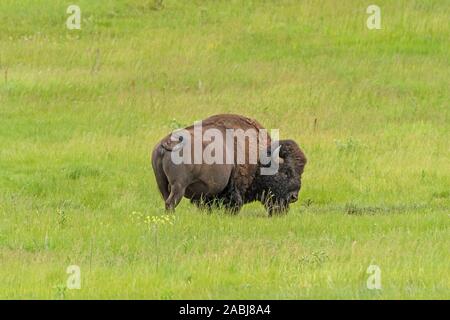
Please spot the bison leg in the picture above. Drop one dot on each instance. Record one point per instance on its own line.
(202, 203)
(233, 208)
(276, 208)
(176, 193)
(234, 203)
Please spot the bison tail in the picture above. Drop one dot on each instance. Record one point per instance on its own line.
(161, 179)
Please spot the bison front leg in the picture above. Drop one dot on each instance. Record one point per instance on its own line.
(233, 208)
(276, 207)
(234, 203)
(176, 193)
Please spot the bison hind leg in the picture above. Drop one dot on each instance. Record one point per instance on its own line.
(176, 193)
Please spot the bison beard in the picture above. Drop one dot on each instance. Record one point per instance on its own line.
(230, 186)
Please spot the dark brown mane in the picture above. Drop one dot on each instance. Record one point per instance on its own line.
(289, 148)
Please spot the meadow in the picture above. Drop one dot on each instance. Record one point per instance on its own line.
(80, 111)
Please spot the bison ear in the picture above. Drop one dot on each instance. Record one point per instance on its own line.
(276, 155)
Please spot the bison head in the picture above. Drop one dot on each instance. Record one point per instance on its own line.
(279, 190)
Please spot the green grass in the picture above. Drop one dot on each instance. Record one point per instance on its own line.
(81, 110)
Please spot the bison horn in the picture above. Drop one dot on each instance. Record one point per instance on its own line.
(276, 155)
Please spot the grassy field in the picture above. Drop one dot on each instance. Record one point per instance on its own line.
(80, 111)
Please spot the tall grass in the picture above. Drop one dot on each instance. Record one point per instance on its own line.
(81, 110)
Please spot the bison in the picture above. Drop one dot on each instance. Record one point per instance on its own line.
(232, 182)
